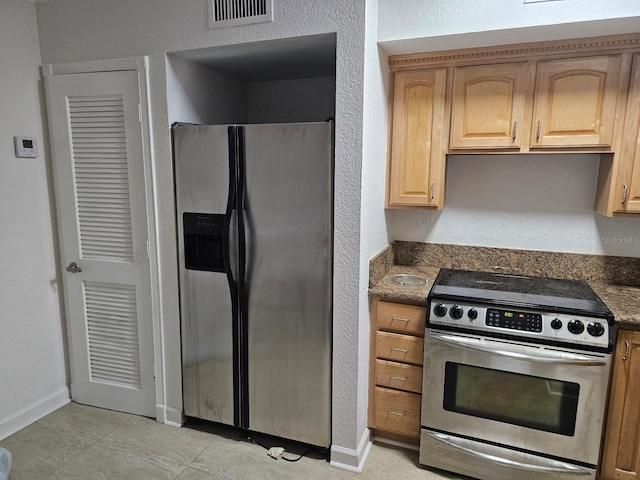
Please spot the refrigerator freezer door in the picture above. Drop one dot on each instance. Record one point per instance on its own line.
(288, 222)
(201, 157)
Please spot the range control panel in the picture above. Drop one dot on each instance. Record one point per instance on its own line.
(559, 327)
(514, 320)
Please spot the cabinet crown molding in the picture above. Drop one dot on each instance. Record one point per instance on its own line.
(525, 51)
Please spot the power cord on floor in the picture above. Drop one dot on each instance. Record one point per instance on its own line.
(278, 452)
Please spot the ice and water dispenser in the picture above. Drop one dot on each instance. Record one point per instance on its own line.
(203, 241)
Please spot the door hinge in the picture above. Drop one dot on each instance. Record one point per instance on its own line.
(140, 113)
(148, 250)
(154, 370)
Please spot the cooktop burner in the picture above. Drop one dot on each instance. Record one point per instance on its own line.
(542, 310)
(569, 296)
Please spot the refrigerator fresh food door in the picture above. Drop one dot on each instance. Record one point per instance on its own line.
(202, 178)
(288, 223)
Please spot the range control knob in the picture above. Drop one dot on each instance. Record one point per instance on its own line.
(575, 326)
(556, 324)
(456, 312)
(440, 310)
(595, 329)
(472, 314)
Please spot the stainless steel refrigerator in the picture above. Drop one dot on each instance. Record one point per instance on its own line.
(255, 248)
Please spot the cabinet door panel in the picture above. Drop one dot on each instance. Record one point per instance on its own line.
(401, 348)
(401, 318)
(399, 376)
(627, 193)
(397, 412)
(488, 106)
(621, 453)
(418, 139)
(575, 102)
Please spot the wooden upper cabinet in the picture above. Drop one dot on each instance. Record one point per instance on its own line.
(621, 452)
(575, 102)
(488, 107)
(569, 96)
(418, 139)
(618, 189)
(627, 193)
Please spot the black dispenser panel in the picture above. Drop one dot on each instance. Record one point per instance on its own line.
(203, 237)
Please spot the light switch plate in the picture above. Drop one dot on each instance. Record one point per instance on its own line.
(26, 147)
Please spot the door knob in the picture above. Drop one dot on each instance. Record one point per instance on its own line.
(73, 268)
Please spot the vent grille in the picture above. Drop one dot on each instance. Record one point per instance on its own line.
(226, 13)
(112, 331)
(101, 177)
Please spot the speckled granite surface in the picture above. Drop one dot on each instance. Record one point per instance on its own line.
(615, 279)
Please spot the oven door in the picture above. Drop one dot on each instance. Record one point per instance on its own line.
(527, 397)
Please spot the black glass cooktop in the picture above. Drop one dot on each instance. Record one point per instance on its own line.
(569, 296)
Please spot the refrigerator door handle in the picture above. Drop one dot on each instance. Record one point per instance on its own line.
(228, 215)
(234, 285)
(242, 272)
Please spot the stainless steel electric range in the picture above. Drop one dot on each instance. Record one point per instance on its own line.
(516, 371)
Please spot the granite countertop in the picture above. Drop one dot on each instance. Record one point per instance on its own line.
(397, 293)
(623, 301)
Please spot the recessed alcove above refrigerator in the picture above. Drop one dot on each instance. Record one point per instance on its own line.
(284, 80)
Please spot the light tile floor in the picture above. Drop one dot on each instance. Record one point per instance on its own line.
(77, 442)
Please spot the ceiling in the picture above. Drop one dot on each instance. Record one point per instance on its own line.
(299, 57)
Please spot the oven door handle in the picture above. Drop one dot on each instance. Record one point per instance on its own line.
(554, 466)
(549, 356)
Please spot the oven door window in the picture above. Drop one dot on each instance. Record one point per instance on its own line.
(541, 403)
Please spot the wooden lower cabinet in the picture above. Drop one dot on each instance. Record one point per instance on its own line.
(397, 354)
(621, 452)
(397, 411)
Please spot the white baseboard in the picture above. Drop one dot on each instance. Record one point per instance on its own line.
(349, 459)
(33, 412)
(169, 416)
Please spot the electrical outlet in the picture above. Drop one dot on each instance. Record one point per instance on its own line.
(424, 217)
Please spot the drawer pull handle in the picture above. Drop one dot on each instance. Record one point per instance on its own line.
(400, 319)
(401, 350)
(399, 414)
(402, 379)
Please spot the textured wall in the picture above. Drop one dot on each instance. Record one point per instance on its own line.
(416, 25)
(32, 366)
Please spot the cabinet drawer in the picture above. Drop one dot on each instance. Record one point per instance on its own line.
(401, 318)
(398, 375)
(397, 411)
(398, 347)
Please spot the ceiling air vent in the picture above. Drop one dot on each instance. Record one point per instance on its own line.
(227, 13)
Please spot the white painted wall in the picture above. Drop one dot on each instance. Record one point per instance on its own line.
(33, 379)
(78, 30)
(417, 25)
(197, 94)
(295, 100)
(537, 202)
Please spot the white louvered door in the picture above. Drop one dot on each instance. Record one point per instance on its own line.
(100, 191)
